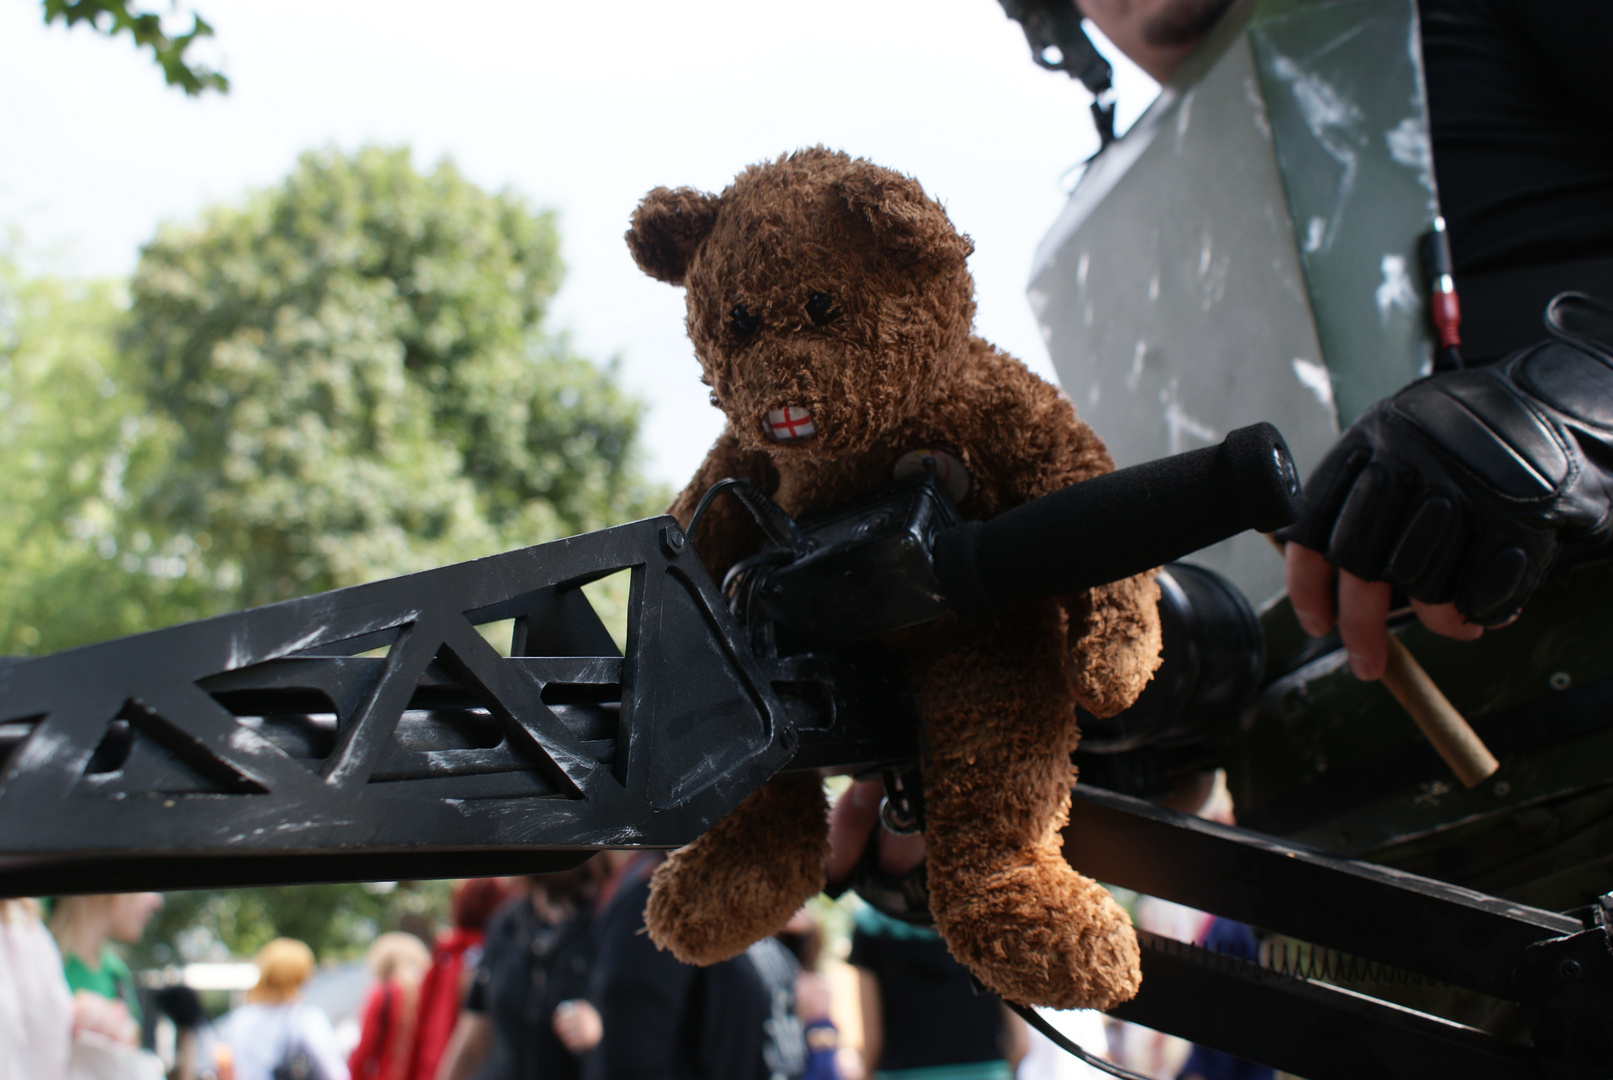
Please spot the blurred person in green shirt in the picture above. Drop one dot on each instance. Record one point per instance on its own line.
(85, 928)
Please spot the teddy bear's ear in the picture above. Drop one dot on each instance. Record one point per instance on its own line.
(668, 226)
(906, 222)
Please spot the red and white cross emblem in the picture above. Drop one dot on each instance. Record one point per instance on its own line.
(789, 424)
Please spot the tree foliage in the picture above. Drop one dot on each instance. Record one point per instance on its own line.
(114, 17)
(76, 562)
(337, 921)
(357, 361)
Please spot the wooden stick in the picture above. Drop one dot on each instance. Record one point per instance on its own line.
(1452, 737)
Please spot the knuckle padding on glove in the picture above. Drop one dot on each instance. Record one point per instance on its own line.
(1366, 523)
(1489, 431)
(1433, 529)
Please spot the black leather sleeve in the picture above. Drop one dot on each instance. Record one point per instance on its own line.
(1467, 486)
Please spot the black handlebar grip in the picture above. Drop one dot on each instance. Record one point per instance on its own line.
(1119, 524)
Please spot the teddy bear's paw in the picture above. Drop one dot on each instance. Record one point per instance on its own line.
(705, 909)
(1041, 934)
(743, 879)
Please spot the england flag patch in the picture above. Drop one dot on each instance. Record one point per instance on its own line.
(789, 424)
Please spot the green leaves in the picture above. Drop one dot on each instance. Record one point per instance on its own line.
(114, 17)
(340, 379)
(337, 921)
(357, 361)
(77, 562)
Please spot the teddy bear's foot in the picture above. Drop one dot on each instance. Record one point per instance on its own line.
(746, 876)
(1038, 933)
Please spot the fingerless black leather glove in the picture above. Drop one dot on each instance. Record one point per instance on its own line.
(1467, 485)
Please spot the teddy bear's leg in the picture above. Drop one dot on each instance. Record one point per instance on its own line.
(1000, 726)
(746, 876)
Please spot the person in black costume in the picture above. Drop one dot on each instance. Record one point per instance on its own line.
(1465, 489)
(538, 953)
(921, 1012)
(666, 1020)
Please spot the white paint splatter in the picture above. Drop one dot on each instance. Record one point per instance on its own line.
(1184, 117)
(1081, 269)
(1315, 233)
(1178, 423)
(1396, 292)
(1212, 274)
(1315, 378)
(41, 749)
(1153, 287)
(1408, 145)
(1251, 93)
(1135, 375)
(1332, 119)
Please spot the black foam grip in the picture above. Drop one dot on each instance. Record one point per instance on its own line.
(1119, 524)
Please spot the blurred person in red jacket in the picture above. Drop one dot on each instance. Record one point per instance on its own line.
(453, 967)
(398, 963)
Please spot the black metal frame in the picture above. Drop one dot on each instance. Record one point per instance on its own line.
(1556, 966)
(261, 747)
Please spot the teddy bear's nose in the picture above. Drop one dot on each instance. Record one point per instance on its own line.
(789, 424)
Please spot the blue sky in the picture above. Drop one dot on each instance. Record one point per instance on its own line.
(582, 108)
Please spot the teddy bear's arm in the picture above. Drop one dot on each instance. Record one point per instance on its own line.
(1113, 629)
(727, 532)
(1114, 642)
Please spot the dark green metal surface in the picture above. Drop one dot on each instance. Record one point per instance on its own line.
(1343, 86)
(1328, 760)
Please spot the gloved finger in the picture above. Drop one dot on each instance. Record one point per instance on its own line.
(1363, 610)
(1445, 620)
(851, 823)
(1310, 588)
(1325, 491)
(1496, 585)
(1368, 522)
(900, 854)
(1423, 559)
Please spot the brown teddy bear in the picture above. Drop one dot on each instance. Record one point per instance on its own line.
(831, 311)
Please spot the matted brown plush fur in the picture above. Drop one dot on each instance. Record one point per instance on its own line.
(895, 368)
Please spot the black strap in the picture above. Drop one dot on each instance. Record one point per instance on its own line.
(1058, 1039)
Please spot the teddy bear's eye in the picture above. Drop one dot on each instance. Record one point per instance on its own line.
(819, 306)
(743, 322)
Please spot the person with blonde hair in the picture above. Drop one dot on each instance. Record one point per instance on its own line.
(398, 963)
(275, 1036)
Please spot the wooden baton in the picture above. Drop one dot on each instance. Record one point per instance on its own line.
(1453, 738)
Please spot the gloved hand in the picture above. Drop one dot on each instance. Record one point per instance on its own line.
(1466, 486)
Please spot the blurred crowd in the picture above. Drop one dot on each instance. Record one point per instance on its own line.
(550, 977)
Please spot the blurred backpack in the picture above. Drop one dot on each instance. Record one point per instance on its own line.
(296, 1062)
